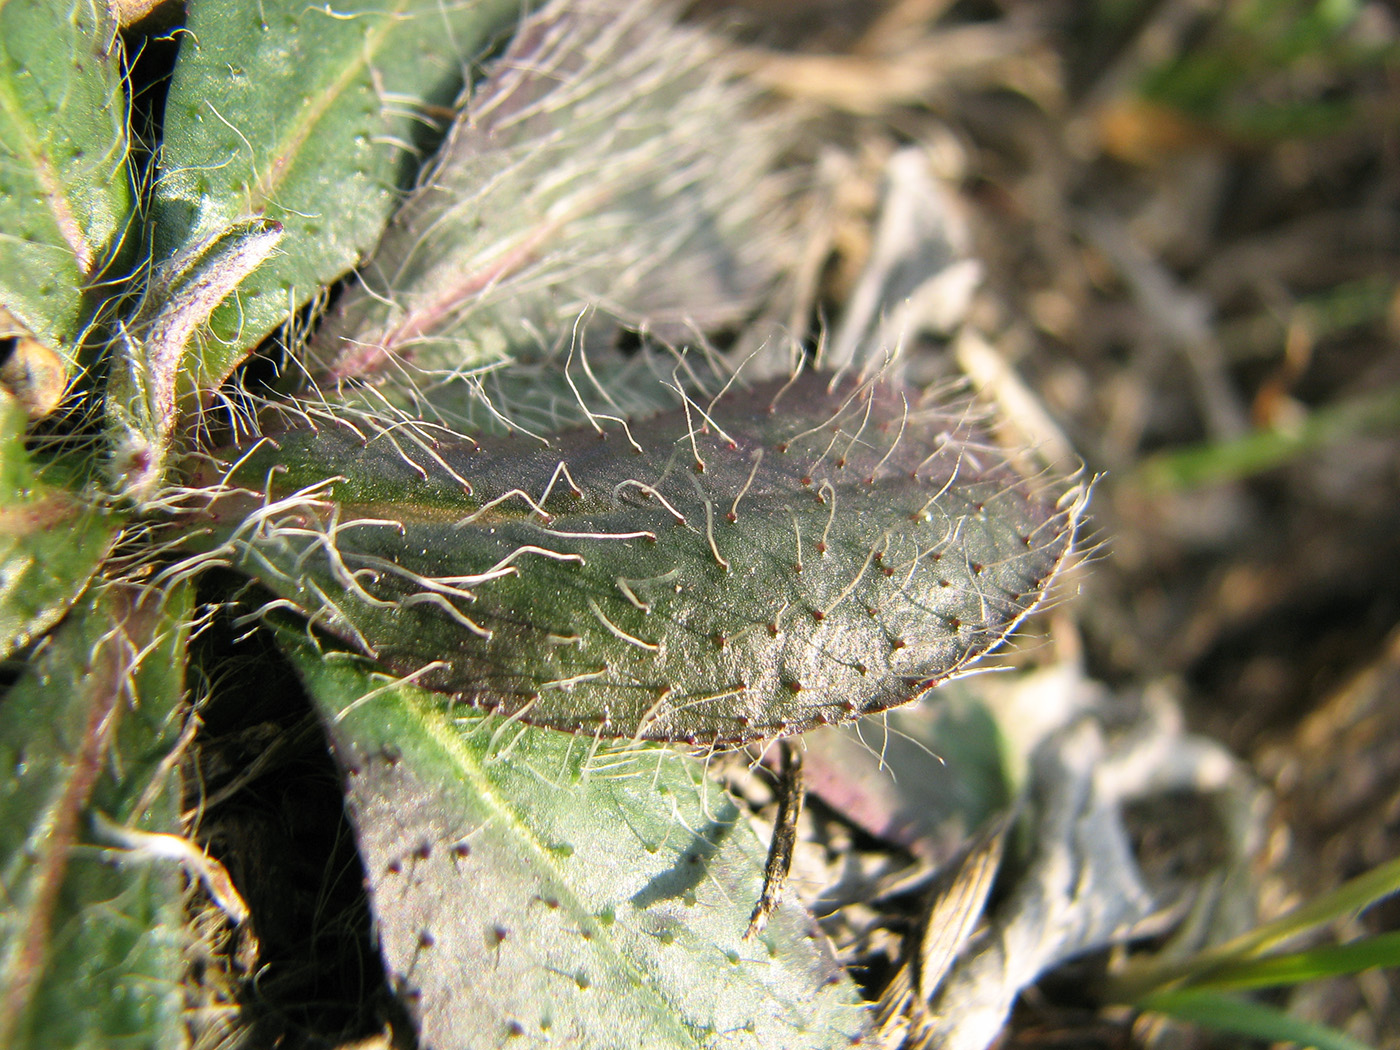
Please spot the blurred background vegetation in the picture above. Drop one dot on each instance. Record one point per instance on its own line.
(1189, 217)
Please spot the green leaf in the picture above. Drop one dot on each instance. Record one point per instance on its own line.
(51, 539)
(529, 883)
(65, 192)
(91, 948)
(605, 162)
(141, 395)
(748, 563)
(305, 114)
(1227, 1013)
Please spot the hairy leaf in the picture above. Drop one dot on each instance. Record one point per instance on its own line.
(743, 565)
(525, 884)
(142, 392)
(606, 162)
(51, 539)
(91, 945)
(305, 114)
(65, 192)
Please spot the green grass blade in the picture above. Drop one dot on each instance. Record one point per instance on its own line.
(65, 189)
(1265, 449)
(92, 949)
(310, 115)
(528, 883)
(1346, 900)
(1237, 1016)
(1330, 960)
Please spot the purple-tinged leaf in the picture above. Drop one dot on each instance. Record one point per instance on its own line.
(749, 564)
(609, 161)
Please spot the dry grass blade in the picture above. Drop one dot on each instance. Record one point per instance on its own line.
(955, 908)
